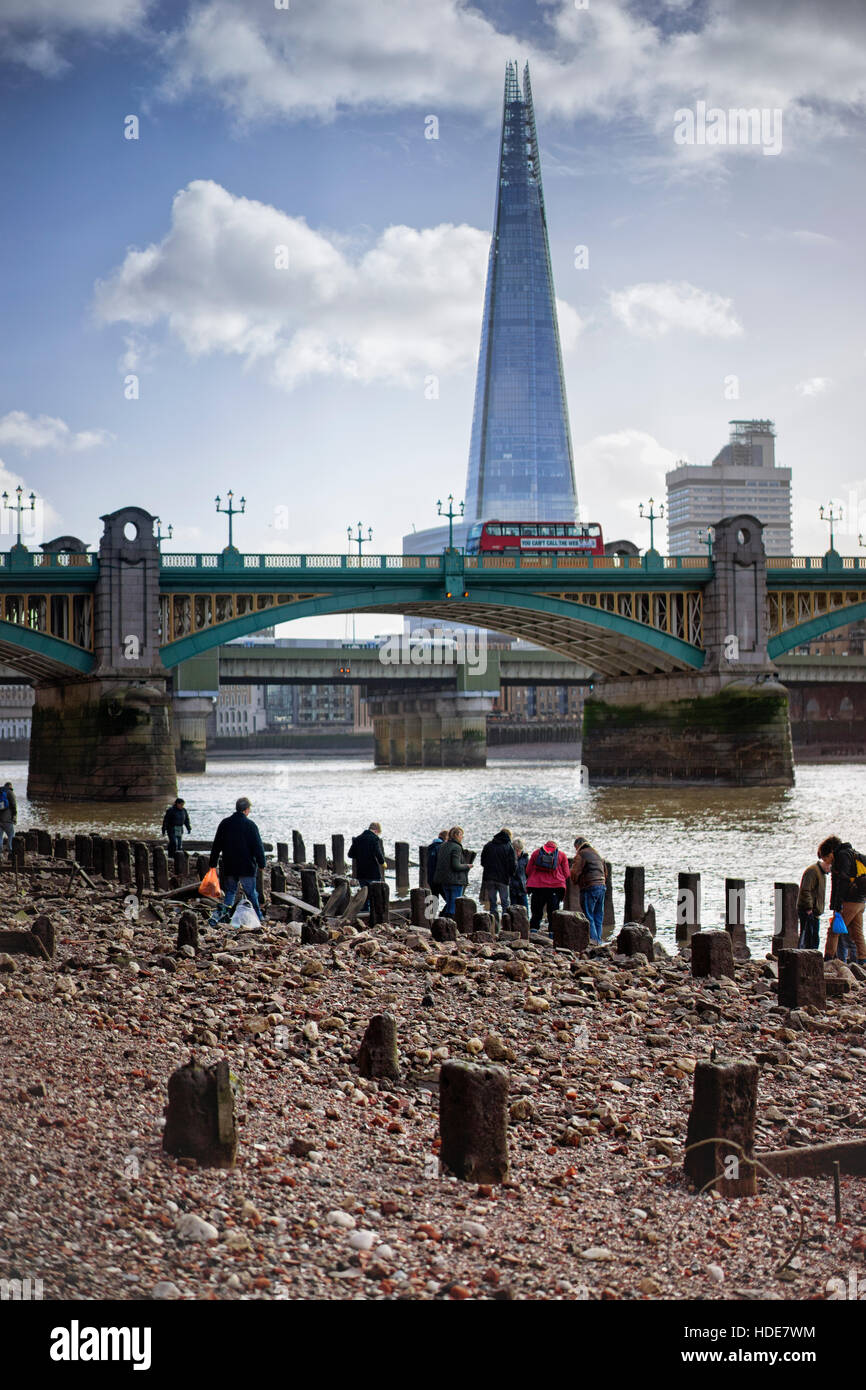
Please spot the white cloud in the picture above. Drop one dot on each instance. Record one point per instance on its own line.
(32, 32)
(639, 463)
(813, 386)
(606, 59)
(652, 310)
(19, 430)
(409, 305)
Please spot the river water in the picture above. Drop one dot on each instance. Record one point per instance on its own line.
(764, 836)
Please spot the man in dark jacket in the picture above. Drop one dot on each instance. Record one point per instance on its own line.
(498, 865)
(847, 894)
(240, 844)
(8, 815)
(810, 905)
(368, 853)
(174, 822)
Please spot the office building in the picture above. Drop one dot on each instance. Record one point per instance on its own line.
(743, 477)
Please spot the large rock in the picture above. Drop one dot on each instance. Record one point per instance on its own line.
(570, 931)
(635, 939)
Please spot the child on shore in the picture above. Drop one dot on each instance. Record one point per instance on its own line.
(810, 905)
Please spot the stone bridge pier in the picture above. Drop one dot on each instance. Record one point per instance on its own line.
(440, 729)
(727, 723)
(108, 736)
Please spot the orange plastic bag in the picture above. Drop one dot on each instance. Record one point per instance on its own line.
(210, 885)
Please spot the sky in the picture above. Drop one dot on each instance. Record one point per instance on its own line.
(234, 258)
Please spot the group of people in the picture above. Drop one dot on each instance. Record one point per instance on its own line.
(847, 870)
(512, 877)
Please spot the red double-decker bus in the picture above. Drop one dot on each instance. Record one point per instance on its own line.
(535, 538)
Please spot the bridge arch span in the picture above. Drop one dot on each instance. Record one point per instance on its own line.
(608, 643)
(816, 627)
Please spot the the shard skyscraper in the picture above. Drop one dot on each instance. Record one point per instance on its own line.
(520, 457)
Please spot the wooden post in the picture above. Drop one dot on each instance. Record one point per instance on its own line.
(473, 1121)
(634, 890)
(378, 1056)
(609, 919)
(278, 878)
(44, 844)
(320, 857)
(160, 869)
(142, 866)
(401, 868)
(200, 1118)
(109, 860)
(712, 955)
(378, 900)
(310, 888)
(422, 867)
(83, 851)
(724, 1105)
(688, 906)
(338, 854)
(96, 854)
(299, 849)
(181, 864)
(124, 867)
(61, 847)
(282, 852)
(801, 979)
(735, 916)
(787, 933)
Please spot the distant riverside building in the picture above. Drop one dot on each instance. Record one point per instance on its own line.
(743, 477)
(16, 703)
(520, 457)
(240, 709)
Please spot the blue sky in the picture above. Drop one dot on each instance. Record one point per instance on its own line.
(307, 386)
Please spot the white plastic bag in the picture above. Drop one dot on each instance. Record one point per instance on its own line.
(244, 915)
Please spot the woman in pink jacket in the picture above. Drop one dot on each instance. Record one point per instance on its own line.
(546, 878)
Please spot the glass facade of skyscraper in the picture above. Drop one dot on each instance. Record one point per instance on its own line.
(520, 457)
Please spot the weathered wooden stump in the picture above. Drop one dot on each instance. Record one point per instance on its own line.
(608, 922)
(634, 939)
(464, 912)
(278, 878)
(181, 864)
(378, 901)
(22, 943)
(338, 854)
(735, 916)
(61, 847)
(96, 854)
(484, 922)
(724, 1104)
(649, 920)
(401, 868)
(787, 933)
(141, 858)
(422, 867)
(299, 849)
(200, 1115)
(160, 869)
(417, 906)
(519, 920)
(84, 851)
(378, 1056)
(44, 843)
(320, 857)
(712, 955)
(573, 899)
(339, 900)
(443, 929)
(801, 979)
(570, 930)
(109, 861)
(187, 930)
(43, 929)
(282, 852)
(313, 933)
(473, 1121)
(18, 853)
(310, 888)
(688, 905)
(634, 889)
(31, 841)
(124, 866)
(357, 902)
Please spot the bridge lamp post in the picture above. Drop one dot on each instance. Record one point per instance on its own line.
(359, 540)
(231, 511)
(708, 537)
(159, 535)
(652, 517)
(451, 514)
(18, 507)
(827, 514)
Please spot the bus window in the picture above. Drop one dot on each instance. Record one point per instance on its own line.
(547, 530)
(595, 530)
(529, 530)
(511, 530)
(494, 531)
(571, 529)
(475, 532)
(561, 531)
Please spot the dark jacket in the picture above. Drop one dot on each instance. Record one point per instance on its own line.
(368, 853)
(432, 856)
(813, 886)
(451, 867)
(846, 887)
(587, 867)
(9, 813)
(240, 844)
(517, 882)
(175, 816)
(498, 860)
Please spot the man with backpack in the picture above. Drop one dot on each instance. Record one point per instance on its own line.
(498, 866)
(432, 856)
(174, 822)
(546, 877)
(8, 815)
(847, 892)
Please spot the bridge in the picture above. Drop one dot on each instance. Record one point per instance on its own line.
(100, 636)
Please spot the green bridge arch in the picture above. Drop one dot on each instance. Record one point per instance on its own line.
(816, 627)
(39, 656)
(609, 643)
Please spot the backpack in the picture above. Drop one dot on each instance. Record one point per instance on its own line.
(859, 878)
(4, 802)
(546, 860)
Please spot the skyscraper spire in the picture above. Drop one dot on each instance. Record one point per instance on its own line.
(520, 458)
